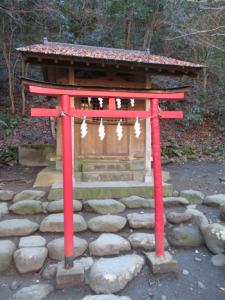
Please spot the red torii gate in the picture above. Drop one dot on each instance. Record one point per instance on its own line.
(66, 111)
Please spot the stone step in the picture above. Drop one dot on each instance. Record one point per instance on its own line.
(107, 176)
(105, 166)
(109, 190)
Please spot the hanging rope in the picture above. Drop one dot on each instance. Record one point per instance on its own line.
(62, 114)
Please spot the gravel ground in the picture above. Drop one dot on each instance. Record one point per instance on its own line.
(202, 176)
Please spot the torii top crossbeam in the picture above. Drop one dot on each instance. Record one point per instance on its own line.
(66, 112)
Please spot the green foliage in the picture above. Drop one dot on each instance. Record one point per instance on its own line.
(8, 122)
(26, 133)
(207, 152)
(174, 150)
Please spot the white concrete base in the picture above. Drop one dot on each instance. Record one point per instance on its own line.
(147, 179)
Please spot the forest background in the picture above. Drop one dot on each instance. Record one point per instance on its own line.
(187, 30)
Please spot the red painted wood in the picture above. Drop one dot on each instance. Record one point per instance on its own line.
(122, 114)
(49, 112)
(45, 112)
(67, 180)
(112, 104)
(172, 114)
(157, 170)
(37, 90)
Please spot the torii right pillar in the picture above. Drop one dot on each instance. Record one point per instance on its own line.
(160, 261)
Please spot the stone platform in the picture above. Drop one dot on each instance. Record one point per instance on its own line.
(109, 190)
(94, 172)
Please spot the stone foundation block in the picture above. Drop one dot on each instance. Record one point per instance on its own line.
(161, 265)
(69, 278)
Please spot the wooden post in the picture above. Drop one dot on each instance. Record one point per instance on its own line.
(67, 183)
(148, 146)
(71, 81)
(157, 169)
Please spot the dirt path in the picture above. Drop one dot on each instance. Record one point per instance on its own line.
(193, 175)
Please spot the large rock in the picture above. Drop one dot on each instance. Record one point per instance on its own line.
(177, 218)
(107, 223)
(194, 197)
(50, 272)
(30, 259)
(34, 292)
(28, 195)
(106, 297)
(7, 248)
(142, 220)
(222, 211)
(26, 207)
(174, 201)
(57, 206)
(3, 208)
(104, 207)
(110, 275)
(17, 227)
(144, 241)
(218, 260)
(55, 223)
(32, 241)
(197, 216)
(56, 248)
(185, 237)
(137, 202)
(87, 262)
(108, 244)
(214, 235)
(6, 195)
(214, 200)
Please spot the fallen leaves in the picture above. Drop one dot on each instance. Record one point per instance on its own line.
(79, 51)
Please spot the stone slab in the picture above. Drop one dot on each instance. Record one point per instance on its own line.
(17, 227)
(105, 166)
(161, 264)
(109, 190)
(36, 155)
(3, 208)
(30, 259)
(110, 275)
(137, 202)
(34, 292)
(174, 201)
(55, 223)
(144, 241)
(28, 195)
(27, 207)
(108, 244)
(7, 248)
(32, 241)
(194, 197)
(104, 207)
(142, 220)
(58, 206)
(107, 176)
(214, 200)
(56, 248)
(69, 278)
(49, 175)
(6, 195)
(107, 223)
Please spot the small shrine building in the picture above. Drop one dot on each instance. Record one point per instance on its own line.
(87, 66)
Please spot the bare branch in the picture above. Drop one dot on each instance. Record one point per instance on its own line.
(196, 32)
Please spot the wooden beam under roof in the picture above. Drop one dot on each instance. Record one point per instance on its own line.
(111, 67)
(113, 62)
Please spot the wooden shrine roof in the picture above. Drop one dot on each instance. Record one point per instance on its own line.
(132, 59)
